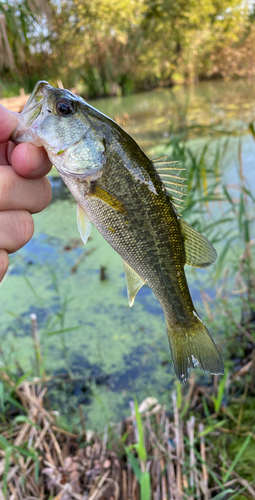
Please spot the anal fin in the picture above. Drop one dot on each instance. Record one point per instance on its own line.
(134, 282)
(83, 223)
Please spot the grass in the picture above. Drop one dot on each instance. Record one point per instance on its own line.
(203, 448)
(152, 454)
(202, 445)
(140, 471)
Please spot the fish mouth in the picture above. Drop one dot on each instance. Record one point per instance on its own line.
(34, 105)
(87, 175)
(31, 116)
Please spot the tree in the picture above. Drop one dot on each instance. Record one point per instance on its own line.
(18, 31)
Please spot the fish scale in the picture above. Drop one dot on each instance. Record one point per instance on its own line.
(119, 189)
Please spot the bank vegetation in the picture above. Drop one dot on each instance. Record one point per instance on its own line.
(117, 47)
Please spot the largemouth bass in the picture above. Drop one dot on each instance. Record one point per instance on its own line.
(126, 195)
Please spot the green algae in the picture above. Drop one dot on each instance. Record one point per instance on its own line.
(115, 350)
(124, 345)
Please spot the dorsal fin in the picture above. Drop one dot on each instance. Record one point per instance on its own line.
(171, 178)
(133, 280)
(199, 252)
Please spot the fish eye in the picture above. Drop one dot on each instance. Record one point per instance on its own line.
(64, 107)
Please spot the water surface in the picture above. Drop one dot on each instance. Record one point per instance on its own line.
(110, 352)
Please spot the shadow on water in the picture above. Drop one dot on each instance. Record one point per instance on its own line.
(45, 249)
(21, 325)
(134, 369)
(78, 386)
(66, 393)
(59, 189)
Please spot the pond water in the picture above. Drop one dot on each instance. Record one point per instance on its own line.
(98, 352)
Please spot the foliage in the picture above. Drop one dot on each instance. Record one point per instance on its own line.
(141, 473)
(225, 408)
(182, 33)
(186, 455)
(19, 26)
(108, 49)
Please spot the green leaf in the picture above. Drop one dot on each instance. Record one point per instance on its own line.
(218, 399)
(134, 464)
(140, 446)
(211, 428)
(20, 419)
(145, 486)
(210, 471)
(241, 213)
(11, 313)
(124, 437)
(246, 231)
(222, 494)
(238, 493)
(179, 395)
(62, 330)
(1, 394)
(32, 453)
(4, 444)
(33, 290)
(238, 456)
(223, 255)
(225, 190)
(185, 409)
(7, 455)
(252, 130)
(24, 377)
(14, 402)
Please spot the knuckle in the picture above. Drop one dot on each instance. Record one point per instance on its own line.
(45, 194)
(26, 226)
(23, 227)
(48, 193)
(6, 186)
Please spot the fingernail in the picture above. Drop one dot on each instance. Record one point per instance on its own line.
(35, 158)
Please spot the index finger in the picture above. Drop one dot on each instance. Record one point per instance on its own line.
(8, 122)
(30, 161)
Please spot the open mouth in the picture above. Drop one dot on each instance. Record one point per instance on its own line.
(34, 104)
(31, 116)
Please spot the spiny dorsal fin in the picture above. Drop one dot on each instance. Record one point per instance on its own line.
(170, 176)
(84, 224)
(199, 252)
(134, 282)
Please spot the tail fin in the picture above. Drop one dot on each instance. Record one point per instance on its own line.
(193, 347)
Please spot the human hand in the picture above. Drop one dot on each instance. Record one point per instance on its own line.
(24, 189)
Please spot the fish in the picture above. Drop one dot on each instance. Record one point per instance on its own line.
(133, 202)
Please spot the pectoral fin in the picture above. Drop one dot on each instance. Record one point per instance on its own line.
(106, 197)
(199, 252)
(134, 282)
(84, 224)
